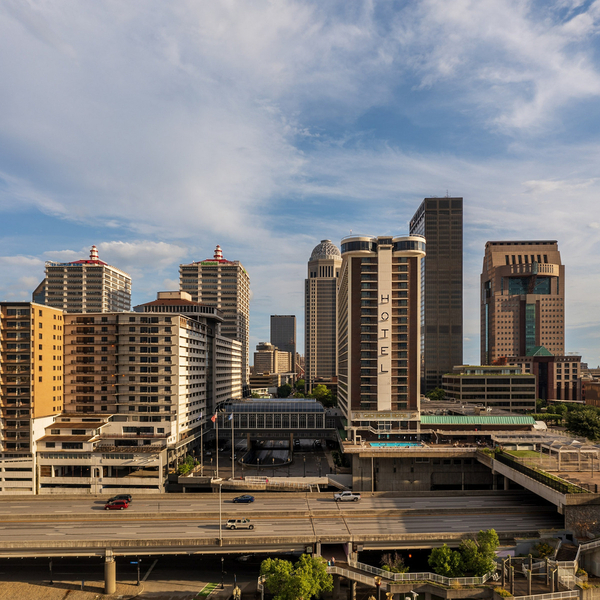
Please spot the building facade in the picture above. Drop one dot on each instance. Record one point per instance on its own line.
(440, 220)
(558, 378)
(504, 387)
(320, 319)
(84, 286)
(522, 299)
(31, 387)
(139, 392)
(268, 359)
(224, 284)
(379, 302)
(283, 334)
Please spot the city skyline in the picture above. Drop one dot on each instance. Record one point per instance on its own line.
(199, 127)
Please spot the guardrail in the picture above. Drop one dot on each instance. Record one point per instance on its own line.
(560, 485)
(449, 581)
(554, 596)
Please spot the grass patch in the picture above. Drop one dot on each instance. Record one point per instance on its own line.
(206, 590)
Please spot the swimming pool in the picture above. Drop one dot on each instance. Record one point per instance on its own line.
(393, 444)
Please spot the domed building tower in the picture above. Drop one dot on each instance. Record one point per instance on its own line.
(320, 343)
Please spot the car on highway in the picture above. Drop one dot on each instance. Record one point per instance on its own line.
(346, 497)
(245, 499)
(126, 497)
(116, 505)
(239, 524)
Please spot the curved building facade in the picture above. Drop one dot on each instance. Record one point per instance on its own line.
(320, 301)
(379, 298)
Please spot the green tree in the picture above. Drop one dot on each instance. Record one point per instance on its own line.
(436, 394)
(445, 561)
(324, 395)
(393, 562)
(283, 391)
(585, 422)
(300, 385)
(307, 578)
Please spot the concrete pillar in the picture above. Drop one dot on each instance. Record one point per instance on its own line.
(462, 480)
(318, 549)
(110, 573)
(336, 587)
(350, 551)
(353, 590)
(506, 483)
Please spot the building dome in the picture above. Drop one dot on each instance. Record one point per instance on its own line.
(326, 249)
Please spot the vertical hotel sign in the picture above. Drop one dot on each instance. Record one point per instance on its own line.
(384, 328)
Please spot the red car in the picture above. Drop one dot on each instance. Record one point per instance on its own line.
(116, 505)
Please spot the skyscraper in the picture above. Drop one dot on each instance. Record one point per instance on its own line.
(283, 334)
(320, 302)
(84, 286)
(440, 220)
(522, 299)
(379, 333)
(226, 285)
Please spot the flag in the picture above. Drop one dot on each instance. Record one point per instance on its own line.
(214, 418)
(231, 416)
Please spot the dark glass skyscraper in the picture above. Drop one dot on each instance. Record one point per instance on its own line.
(440, 220)
(283, 334)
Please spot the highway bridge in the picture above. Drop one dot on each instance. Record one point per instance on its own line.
(194, 523)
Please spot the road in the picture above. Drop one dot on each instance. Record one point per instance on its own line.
(278, 517)
(273, 502)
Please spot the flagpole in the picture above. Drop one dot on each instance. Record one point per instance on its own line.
(232, 448)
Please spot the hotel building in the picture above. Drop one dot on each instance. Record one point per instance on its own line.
(379, 303)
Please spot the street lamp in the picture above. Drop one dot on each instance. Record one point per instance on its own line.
(273, 460)
(222, 574)
(304, 465)
(377, 581)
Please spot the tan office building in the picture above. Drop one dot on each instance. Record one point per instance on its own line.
(522, 299)
(320, 317)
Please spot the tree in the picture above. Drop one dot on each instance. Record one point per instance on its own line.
(393, 562)
(255, 395)
(307, 578)
(324, 395)
(585, 422)
(445, 561)
(283, 391)
(300, 385)
(436, 394)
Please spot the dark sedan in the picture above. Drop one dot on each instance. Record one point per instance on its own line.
(126, 497)
(245, 499)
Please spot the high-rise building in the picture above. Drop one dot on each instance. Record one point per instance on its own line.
(522, 299)
(84, 286)
(320, 301)
(139, 392)
(283, 334)
(440, 220)
(224, 284)
(379, 333)
(268, 359)
(31, 387)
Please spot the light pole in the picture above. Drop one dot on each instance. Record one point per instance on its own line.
(377, 581)
(222, 574)
(304, 465)
(50, 565)
(273, 461)
(220, 520)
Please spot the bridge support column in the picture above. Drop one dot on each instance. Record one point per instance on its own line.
(506, 483)
(353, 590)
(317, 548)
(350, 551)
(337, 587)
(110, 573)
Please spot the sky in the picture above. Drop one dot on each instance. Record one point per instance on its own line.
(157, 130)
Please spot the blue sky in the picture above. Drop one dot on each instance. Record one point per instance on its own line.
(157, 130)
